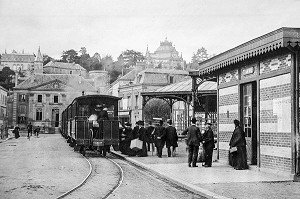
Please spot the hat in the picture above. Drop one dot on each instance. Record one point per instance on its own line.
(208, 123)
(127, 124)
(194, 120)
(141, 122)
(169, 121)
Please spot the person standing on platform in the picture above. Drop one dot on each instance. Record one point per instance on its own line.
(171, 138)
(208, 145)
(193, 142)
(159, 134)
(238, 140)
(29, 129)
(16, 131)
(37, 131)
(149, 132)
(142, 137)
(135, 130)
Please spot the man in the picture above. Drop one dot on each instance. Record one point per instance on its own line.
(102, 114)
(143, 137)
(149, 131)
(193, 142)
(159, 134)
(135, 130)
(171, 138)
(29, 129)
(37, 131)
(208, 145)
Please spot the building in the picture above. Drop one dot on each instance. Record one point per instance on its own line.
(165, 57)
(53, 67)
(18, 62)
(258, 84)
(41, 98)
(140, 80)
(3, 115)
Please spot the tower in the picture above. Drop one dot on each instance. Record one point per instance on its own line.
(38, 63)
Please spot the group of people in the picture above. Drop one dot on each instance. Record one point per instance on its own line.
(158, 136)
(193, 140)
(237, 145)
(30, 128)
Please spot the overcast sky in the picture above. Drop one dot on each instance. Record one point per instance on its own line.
(112, 26)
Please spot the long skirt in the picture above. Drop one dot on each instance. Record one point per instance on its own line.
(238, 159)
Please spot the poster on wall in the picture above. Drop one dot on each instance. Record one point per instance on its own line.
(282, 109)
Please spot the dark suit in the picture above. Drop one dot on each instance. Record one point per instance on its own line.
(159, 134)
(208, 146)
(171, 139)
(193, 142)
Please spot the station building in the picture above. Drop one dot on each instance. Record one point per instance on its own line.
(258, 84)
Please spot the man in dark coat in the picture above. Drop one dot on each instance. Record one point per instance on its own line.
(208, 145)
(193, 142)
(149, 131)
(29, 129)
(135, 130)
(159, 136)
(102, 114)
(143, 137)
(171, 138)
(238, 140)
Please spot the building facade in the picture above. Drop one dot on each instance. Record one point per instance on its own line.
(258, 84)
(53, 67)
(18, 62)
(138, 81)
(165, 57)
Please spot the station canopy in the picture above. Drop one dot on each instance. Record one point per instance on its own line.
(181, 91)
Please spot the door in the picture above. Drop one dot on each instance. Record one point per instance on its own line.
(55, 117)
(249, 119)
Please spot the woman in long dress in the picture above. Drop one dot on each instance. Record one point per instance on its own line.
(239, 157)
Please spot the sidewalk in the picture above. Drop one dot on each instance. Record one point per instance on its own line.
(220, 180)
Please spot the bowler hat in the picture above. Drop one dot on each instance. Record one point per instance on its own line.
(141, 122)
(99, 106)
(208, 123)
(169, 121)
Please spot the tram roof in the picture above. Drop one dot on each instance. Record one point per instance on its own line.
(101, 96)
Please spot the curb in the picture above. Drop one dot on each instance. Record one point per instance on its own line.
(193, 188)
(6, 139)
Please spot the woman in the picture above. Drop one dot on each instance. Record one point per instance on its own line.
(239, 157)
(16, 131)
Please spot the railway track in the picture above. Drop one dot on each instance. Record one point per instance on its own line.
(99, 183)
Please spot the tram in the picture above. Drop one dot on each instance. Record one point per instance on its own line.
(82, 127)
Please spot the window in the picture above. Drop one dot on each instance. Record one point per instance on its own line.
(55, 99)
(71, 72)
(40, 98)
(22, 97)
(136, 101)
(171, 79)
(129, 103)
(39, 114)
(22, 109)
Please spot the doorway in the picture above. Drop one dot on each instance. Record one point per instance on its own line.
(249, 119)
(55, 117)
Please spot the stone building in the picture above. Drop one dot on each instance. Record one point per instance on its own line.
(258, 84)
(18, 62)
(3, 115)
(53, 67)
(165, 57)
(140, 80)
(41, 98)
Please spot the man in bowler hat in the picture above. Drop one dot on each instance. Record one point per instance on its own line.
(208, 144)
(193, 142)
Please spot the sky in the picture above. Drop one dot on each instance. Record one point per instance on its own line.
(112, 26)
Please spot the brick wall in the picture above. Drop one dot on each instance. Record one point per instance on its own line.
(275, 64)
(275, 122)
(228, 111)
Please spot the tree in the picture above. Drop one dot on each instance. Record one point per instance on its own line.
(130, 57)
(157, 108)
(198, 57)
(70, 56)
(46, 59)
(6, 78)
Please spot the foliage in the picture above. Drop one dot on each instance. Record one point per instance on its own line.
(157, 108)
(70, 56)
(6, 78)
(130, 57)
(198, 57)
(46, 59)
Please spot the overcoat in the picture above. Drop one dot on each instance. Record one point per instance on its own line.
(193, 135)
(160, 131)
(171, 137)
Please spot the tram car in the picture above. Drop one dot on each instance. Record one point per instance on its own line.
(91, 122)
